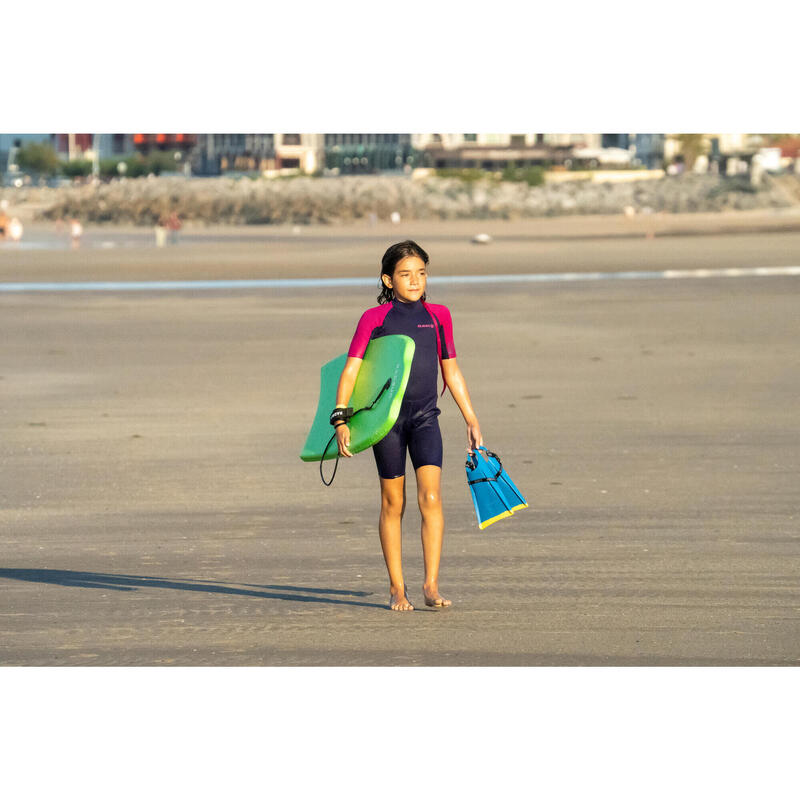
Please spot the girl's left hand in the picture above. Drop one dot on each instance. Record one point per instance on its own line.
(474, 438)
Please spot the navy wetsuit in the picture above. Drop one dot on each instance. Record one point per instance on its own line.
(417, 426)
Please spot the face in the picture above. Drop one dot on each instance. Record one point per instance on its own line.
(409, 279)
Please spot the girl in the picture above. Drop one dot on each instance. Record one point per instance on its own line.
(402, 310)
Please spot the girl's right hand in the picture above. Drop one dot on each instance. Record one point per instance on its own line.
(343, 440)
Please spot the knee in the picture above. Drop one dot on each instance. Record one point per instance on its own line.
(429, 501)
(392, 505)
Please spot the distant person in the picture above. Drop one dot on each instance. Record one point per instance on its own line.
(15, 230)
(75, 233)
(4, 220)
(173, 226)
(161, 231)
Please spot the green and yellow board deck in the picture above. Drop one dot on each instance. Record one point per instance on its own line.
(386, 358)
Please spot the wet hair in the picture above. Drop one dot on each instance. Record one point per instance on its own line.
(391, 258)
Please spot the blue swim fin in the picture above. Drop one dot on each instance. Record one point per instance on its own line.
(512, 496)
(493, 493)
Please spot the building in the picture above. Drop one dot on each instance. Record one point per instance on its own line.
(723, 152)
(309, 153)
(70, 146)
(300, 151)
(365, 153)
(493, 151)
(215, 153)
(146, 143)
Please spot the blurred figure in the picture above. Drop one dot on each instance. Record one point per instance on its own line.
(75, 233)
(173, 225)
(161, 231)
(756, 170)
(15, 230)
(395, 218)
(4, 220)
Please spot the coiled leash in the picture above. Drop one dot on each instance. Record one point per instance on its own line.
(346, 414)
(472, 463)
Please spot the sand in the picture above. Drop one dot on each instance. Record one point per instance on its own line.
(155, 510)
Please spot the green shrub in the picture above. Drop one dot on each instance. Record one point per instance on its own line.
(79, 168)
(136, 167)
(108, 167)
(38, 158)
(468, 175)
(160, 161)
(533, 176)
(139, 165)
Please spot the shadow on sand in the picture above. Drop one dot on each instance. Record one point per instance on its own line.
(130, 583)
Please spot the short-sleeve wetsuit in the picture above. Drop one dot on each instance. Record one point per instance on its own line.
(417, 426)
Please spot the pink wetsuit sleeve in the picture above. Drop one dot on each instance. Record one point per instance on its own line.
(370, 320)
(449, 348)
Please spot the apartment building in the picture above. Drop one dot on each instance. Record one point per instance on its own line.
(353, 153)
(493, 151)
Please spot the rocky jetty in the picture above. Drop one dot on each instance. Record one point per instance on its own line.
(303, 200)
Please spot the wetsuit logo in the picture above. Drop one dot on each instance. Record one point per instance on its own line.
(425, 326)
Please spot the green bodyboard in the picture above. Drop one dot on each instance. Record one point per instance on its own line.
(386, 358)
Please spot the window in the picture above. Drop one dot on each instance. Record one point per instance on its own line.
(291, 138)
(470, 137)
(290, 163)
(518, 140)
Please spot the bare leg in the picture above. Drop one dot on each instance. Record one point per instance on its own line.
(429, 479)
(390, 527)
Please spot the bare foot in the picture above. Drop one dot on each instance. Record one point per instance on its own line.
(433, 598)
(399, 600)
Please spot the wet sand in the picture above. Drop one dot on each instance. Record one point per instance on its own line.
(558, 244)
(155, 511)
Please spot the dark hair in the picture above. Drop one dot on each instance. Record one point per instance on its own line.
(391, 258)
